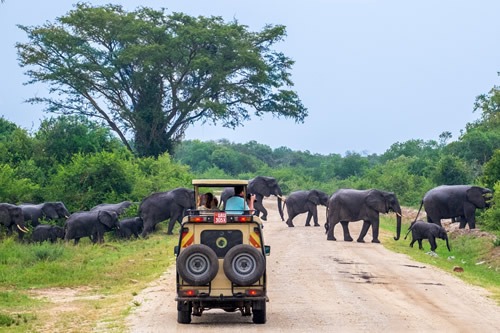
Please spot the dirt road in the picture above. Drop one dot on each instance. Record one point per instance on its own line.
(321, 286)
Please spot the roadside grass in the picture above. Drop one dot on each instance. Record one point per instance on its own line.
(67, 288)
(479, 257)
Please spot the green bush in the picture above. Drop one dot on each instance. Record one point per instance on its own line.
(491, 217)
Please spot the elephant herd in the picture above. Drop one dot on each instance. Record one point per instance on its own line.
(457, 202)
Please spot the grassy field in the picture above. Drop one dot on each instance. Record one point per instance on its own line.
(475, 252)
(67, 288)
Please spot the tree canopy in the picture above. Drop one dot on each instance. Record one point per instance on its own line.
(149, 76)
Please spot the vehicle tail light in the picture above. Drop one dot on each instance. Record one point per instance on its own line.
(254, 292)
(188, 293)
(197, 219)
(244, 219)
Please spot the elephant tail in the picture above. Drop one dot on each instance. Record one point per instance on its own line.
(419, 209)
(409, 229)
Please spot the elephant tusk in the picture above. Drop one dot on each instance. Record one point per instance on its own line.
(23, 230)
(398, 214)
(280, 197)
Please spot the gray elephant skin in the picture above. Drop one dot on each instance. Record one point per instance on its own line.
(424, 230)
(47, 211)
(130, 226)
(300, 202)
(91, 224)
(47, 232)
(348, 205)
(12, 216)
(118, 208)
(162, 206)
(262, 187)
(452, 201)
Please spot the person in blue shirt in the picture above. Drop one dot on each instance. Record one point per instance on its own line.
(237, 204)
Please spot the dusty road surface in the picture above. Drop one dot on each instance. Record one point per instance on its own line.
(317, 285)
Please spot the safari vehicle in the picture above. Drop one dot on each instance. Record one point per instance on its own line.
(221, 260)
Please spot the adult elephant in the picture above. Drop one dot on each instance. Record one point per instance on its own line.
(299, 202)
(47, 211)
(161, 206)
(91, 224)
(118, 208)
(10, 216)
(47, 232)
(263, 187)
(348, 205)
(455, 201)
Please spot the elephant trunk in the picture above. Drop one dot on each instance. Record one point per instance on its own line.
(280, 207)
(398, 224)
(447, 244)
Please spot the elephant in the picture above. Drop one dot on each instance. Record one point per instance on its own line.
(455, 201)
(10, 216)
(299, 202)
(90, 224)
(47, 210)
(44, 232)
(424, 230)
(118, 208)
(262, 187)
(161, 206)
(130, 226)
(348, 205)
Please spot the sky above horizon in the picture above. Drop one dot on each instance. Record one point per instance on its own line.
(371, 73)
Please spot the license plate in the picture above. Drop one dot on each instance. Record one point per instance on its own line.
(220, 218)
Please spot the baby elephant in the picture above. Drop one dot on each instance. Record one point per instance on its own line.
(130, 226)
(44, 232)
(425, 230)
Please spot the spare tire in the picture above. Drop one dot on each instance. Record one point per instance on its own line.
(244, 264)
(197, 264)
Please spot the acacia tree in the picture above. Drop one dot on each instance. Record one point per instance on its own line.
(152, 75)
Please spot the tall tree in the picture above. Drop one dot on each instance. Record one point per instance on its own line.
(153, 75)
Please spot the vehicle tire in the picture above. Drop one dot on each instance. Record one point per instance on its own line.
(259, 315)
(197, 264)
(184, 313)
(244, 264)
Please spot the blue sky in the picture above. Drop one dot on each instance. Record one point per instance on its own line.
(371, 73)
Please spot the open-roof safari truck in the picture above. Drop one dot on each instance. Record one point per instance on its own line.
(221, 259)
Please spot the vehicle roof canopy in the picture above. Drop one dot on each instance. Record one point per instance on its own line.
(219, 182)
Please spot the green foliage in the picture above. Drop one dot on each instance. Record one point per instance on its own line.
(491, 217)
(62, 137)
(491, 171)
(154, 74)
(14, 189)
(451, 170)
(92, 179)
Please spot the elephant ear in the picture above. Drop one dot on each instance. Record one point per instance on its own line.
(314, 197)
(107, 218)
(475, 195)
(4, 215)
(49, 210)
(262, 185)
(376, 201)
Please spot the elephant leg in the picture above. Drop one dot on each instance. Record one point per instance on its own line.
(420, 247)
(432, 241)
(315, 216)
(308, 220)
(331, 228)
(375, 230)
(412, 242)
(345, 227)
(291, 216)
(260, 208)
(364, 230)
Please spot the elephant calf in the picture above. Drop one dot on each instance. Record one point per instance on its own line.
(47, 232)
(130, 226)
(425, 230)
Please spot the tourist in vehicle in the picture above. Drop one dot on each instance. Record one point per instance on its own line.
(237, 203)
(207, 201)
